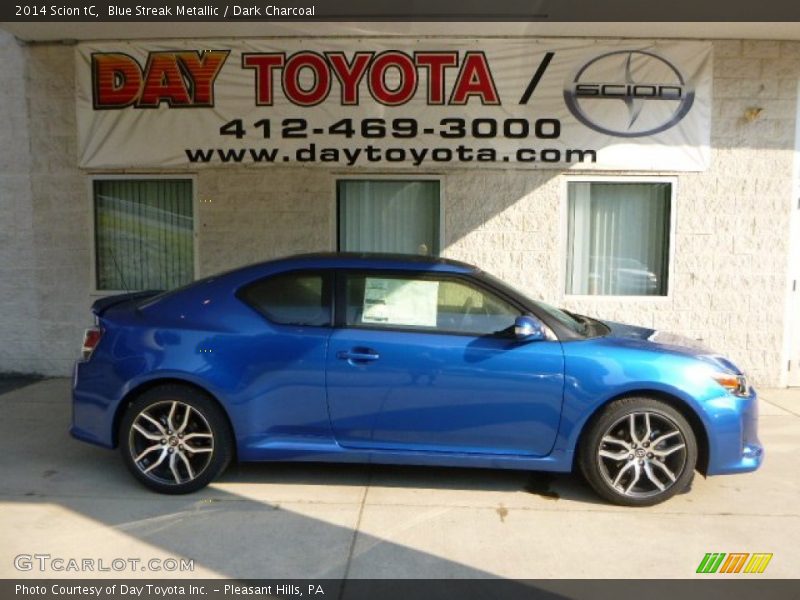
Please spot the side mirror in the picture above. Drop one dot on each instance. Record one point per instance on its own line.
(529, 328)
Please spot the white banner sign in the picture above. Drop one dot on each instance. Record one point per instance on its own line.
(428, 103)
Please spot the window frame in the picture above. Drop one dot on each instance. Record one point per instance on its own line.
(93, 289)
(564, 237)
(340, 299)
(329, 281)
(337, 177)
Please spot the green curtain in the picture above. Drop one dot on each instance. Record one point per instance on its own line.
(143, 233)
(389, 216)
(618, 238)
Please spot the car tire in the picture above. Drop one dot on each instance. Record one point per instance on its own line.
(175, 439)
(638, 451)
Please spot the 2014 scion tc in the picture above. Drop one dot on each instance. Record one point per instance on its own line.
(401, 360)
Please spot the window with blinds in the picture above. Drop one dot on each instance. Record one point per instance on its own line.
(618, 238)
(385, 215)
(144, 233)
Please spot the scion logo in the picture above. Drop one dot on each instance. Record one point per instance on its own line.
(628, 93)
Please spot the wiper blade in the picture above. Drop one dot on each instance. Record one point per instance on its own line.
(584, 321)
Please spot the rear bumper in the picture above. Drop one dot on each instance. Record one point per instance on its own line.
(92, 407)
(734, 443)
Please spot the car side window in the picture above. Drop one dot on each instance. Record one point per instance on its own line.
(298, 298)
(443, 304)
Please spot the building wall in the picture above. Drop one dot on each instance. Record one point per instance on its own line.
(730, 245)
(61, 230)
(18, 294)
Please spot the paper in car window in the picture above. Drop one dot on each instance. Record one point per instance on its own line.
(400, 302)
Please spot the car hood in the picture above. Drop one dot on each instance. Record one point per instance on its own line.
(673, 342)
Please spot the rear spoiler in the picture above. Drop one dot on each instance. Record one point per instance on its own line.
(103, 304)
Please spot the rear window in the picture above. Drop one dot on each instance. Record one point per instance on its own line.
(300, 298)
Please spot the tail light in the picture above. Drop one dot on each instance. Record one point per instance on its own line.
(91, 338)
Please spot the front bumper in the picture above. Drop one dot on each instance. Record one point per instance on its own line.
(733, 435)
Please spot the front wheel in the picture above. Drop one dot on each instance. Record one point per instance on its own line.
(175, 439)
(638, 452)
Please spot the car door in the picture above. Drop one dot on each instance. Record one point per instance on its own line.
(280, 363)
(428, 362)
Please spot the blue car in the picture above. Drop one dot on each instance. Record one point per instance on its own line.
(401, 360)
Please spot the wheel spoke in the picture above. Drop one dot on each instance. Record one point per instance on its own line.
(174, 467)
(622, 471)
(648, 431)
(188, 466)
(155, 423)
(632, 421)
(612, 440)
(171, 416)
(664, 437)
(192, 436)
(614, 455)
(637, 473)
(146, 434)
(185, 421)
(648, 470)
(666, 470)
(194, 450)
(158, 462)
(668, 451)
(147, 451)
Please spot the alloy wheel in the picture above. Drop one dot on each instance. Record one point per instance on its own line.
(171, 442)
(642, 454)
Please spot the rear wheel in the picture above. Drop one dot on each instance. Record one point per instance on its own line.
(638, 452)
(175, 439)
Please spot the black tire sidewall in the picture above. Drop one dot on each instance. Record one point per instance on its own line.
(587, 452)
(208, 408)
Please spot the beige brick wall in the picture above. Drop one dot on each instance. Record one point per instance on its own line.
(730, 246)
(252, 214)
(18, 297)
(732, 229)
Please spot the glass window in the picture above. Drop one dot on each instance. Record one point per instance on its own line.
(144, 233)
(388, 216)
(446, 305)
(291, 299)
(618, 238)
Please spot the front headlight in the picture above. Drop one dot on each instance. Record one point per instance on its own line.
(734, 384)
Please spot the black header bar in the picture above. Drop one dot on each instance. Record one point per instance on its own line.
(742, 588)
(408, 10)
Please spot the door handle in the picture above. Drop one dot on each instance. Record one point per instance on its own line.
(358, 355)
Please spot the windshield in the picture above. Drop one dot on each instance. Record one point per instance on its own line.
(576, 323)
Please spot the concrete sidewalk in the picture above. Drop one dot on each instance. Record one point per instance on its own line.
(70, 500)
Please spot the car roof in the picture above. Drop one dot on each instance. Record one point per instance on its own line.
(318, 260)
(363, 260)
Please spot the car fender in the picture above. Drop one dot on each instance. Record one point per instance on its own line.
(138, 384)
